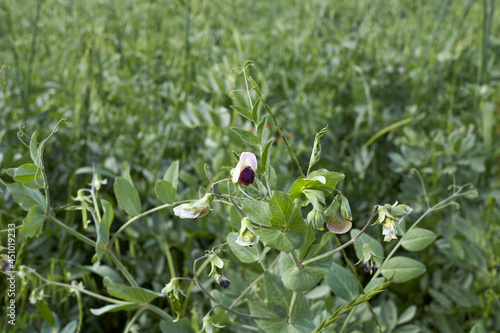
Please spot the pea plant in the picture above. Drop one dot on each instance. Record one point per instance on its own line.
(287, 244)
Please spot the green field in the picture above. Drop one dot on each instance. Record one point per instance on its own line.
(154, 101)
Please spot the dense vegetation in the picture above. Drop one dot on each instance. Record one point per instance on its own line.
(402, 86)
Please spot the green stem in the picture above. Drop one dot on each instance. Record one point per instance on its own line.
(291, 312)
(329, 253)
(440, 205)
(71, 231)
(169, 258)
(191, 285)
(253, 283)
(133, 219)
(290, 151)
(296, 261)
(75, 287)
(122, 269)
(222, 305)
(134, 318)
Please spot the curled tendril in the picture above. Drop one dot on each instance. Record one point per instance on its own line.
(21, 133)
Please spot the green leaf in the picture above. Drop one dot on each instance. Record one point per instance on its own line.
(243, 111)
(172, 174)
(103, 228)
(389, 315)
(244, 254)
(321, 180)
(260, 129)
(478, 328)
(113, 308)
(409, 329)
(70, 327)
(33, 222)
(407, 315)
(265, 157)
(246, 135)
(403, 268)
(127, 196)
(165, 191)
(316, 151)
(305, 278)
(418, 239)
(303, 321)
(255, 111)
(283, 241)
(26, 197)
(257, 211)
(341, 282)
(130, 294)
(26, 173)
(47, 315)
(282, 211)
(34, 149)
(275, 291)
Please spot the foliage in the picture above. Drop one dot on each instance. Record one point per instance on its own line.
(155, 107)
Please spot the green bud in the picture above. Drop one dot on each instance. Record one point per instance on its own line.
(246, 235)
(316, 218)
(172, 287)
(195, 209)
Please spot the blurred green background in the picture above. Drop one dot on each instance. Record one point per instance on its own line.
(400, 84)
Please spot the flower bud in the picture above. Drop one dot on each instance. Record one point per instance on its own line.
(247, 235)
(244, 172)
(339, 215)
(172, 287)
(316, 218)
(388, 216)
(195, 209)
(222, 280)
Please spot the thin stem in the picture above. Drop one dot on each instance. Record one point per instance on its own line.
(134, 318)
(327, 254)
(253, 283)
(75, 287)
(291, 311)
(193, 282)
(290, 151)
(94, 198)
(133, 219)
(296, 260)
(71, 231)
(442, 204)
(122, 269)
(222, 305)
(248, 89)
(159, 312)
(237, 207)
(169, 258)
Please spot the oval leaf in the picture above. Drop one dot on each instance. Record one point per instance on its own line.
(418, 239)
(403, 268)
(33, 222)
(26, 173)
(341, 282)
(127, 196)
(165, 191)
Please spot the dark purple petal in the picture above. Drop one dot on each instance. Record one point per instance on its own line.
(224, 283)
(247, 176)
